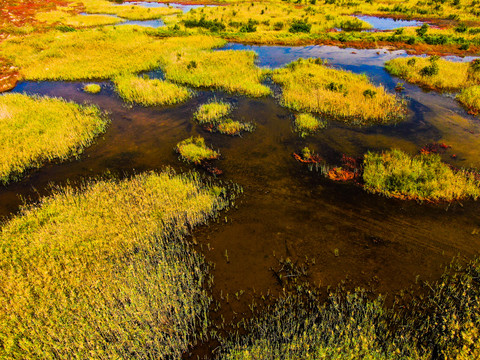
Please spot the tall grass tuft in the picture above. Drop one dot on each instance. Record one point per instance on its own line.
(104, 272)
(212, 112)
(423, 177)
(195, 150)
(308, 85)
(307, 124)
(34, 130)
(470, 97)
(150, 92)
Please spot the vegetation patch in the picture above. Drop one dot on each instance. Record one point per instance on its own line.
(150, 92)
(233, 127)
(422, 177)
(68, 19)
(307, 124)
(436, 73)
(104, 272)
(212, 112)
(127, 11)
(442, 323)
(470, 97)
(232, 71)
(34, 130)
(195, 150)
(92, 88)
(309, 85)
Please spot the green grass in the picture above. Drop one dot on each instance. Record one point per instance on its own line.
(442, 323)
(96, 53)
(422, 177)
(450, 76)
(195, 150)
(212, 112)
(68, 19)
(470, 97)
(308, 85)
(307, 124)
(34, 130)
(232, 71)
(233, 127)
(150, 92)
(103, 271)
(92, 88)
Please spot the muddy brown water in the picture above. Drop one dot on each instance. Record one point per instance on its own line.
(287, 210)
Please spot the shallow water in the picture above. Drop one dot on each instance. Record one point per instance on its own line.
(286, 210)
(385, 23)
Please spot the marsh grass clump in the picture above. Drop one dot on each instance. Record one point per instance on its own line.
(308, 85)
(434, 73)
(307, 124)
(214, 117)
(423, 177)
(470, 97)
(104, 271)
(195, 150)
(150, 92)
(92, 88)
(34, 130)
(441, 323)
(212, 112)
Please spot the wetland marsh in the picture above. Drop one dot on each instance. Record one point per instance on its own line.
(251, 232)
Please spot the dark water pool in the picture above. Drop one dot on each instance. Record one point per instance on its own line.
(385, 23)
(286, 210)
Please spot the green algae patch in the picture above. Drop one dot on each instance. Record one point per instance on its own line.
(307, 124)
(92, 88)
(435, 73)
(195, 150)
(34, 130)
(104, 271)
(150, 92)
(232, 71)
(309, 85)
(423, 177)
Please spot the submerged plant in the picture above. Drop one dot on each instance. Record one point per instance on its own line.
(195, 151)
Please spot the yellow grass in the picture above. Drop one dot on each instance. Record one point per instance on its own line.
(92, 88)
(66, 18)
(127, 11)
(452, 76)
(308, 85)
(103, 273)
(470, 97)
(34, 130)
(150, 92)
(195, 150)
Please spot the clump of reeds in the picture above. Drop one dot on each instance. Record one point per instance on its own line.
(92, 88)
(307, 124)
(214, 117)
(34, 130)
(195, 150)
(309, 85)
(149, 92)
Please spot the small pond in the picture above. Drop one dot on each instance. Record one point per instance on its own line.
(385, 23)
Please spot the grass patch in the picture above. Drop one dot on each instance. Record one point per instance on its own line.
(308, 85)
(233, 127)
(92, 88)
(470, 97)
(65, 18)
(150, 92)
(307, 124)
(435, 73)
(422, 177)
(195, 151)
(232, 71)
(34, 130)
(127, 11)
(95, 53)
(212, 112)
(443, 323)
(104, 272)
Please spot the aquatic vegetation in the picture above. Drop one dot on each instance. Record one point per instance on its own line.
(35, 130)
(150, 92)
(307, 124)
(423, 177)
(95, 53)
(438, 74)
(308, 156)
(212, 112)
(127, 11)
(66, 18)
(86, 269)
(309, 85)
(232, 71)
(442, 322)
(470, 97)
(92, 88)
(233, 127)
(195, 150)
